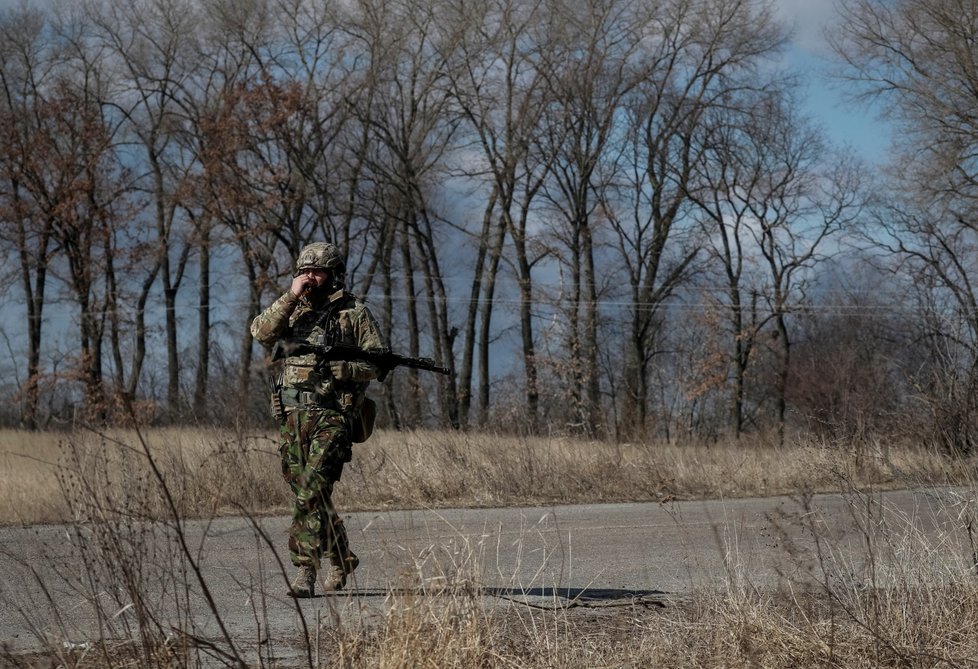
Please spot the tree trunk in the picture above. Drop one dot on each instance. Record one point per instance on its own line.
(442, 333)
(782, 328)
(34, 295)
(525, 282)
(203, 325)
(472, 315)
(485, 327)
(593, 422)
(386, 251)
(413, 401)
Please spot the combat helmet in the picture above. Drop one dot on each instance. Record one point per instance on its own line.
(320, 255)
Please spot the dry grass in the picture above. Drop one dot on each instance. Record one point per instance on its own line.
(905, 600)
(902, 595)
(207, 472)
(768, 632)
(773, 632)
(214, 472)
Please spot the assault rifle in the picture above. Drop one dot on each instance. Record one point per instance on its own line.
(383, 358)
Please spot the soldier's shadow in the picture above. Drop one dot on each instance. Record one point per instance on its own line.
(588, 594)
(565, 597)
(539, 597)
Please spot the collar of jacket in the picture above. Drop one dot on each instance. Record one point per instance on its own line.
(330, 300)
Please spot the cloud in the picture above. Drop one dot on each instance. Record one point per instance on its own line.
(807, 18)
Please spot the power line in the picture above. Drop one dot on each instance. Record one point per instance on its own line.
(663, 307)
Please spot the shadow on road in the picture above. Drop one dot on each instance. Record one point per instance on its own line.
(590, 594)
(557, 597)
(584, 596)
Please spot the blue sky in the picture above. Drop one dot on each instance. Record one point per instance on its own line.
(846, 122)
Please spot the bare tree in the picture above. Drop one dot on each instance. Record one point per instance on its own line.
(411, 126)
(845, 379)
(250, 191)
(775, 196)
(251, 122)
(79, 169)
(151, 42)
(919, 60)
(696, 55)
(500, 86)
(596, 61)
(26, 61)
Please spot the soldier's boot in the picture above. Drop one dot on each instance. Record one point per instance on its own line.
(334, 578)
(349, 563)
(304, 583)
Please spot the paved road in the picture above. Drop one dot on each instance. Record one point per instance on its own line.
(541, 557)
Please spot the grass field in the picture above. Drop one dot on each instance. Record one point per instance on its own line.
(213, 472)
(911, 602)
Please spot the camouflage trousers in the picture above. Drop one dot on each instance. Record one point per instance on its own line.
(315, 445)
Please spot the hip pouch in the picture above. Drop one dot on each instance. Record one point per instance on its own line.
(363, 422)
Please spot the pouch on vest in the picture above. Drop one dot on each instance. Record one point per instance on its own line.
(363, 422)
(278, 409)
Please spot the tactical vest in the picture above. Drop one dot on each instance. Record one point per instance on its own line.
(304, 383)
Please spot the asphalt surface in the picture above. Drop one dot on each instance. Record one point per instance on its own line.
(226, 579)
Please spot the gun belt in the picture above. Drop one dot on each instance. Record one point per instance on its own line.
(307, 399)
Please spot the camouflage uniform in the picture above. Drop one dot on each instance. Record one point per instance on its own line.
(316, 433)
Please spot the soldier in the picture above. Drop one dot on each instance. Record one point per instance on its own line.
(318, 404)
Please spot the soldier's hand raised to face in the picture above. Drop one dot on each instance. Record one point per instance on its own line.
(310, 279)
(302, 283)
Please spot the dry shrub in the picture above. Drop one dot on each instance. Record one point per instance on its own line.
(132, 562)
(448, 629)
(217, 473)
(899, 591)
(909, 597)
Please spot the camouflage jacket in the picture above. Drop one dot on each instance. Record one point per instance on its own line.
(342, 319)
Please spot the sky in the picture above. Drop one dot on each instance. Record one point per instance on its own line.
(846, 122)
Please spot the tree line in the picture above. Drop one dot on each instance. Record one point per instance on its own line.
(605, 217)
